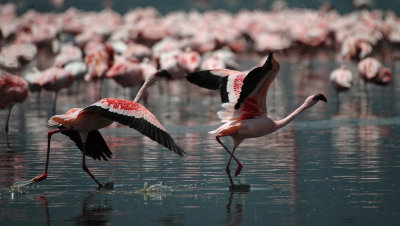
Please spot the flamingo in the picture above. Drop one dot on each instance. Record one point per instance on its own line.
(342, 78)
(13, 89)
(371, 70)
(54, 79)
(82, 125)
(68, 53)
(244, 111)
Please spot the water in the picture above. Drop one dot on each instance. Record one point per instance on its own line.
(336, 164)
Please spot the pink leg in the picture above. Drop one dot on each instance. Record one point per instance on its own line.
(229, 162)
(84, 167)
(44, 175)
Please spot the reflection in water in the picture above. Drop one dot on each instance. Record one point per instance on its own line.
(94, 212)
(45, 203)
(171, 219)
(238, 198)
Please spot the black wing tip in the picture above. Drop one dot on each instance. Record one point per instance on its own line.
(204, 79)
(268, 62)
(321, 97)
(178, 150)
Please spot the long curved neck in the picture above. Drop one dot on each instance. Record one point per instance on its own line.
(141, 91)
(283, 122)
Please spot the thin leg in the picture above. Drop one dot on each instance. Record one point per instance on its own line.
(44, 175)
(231, 156)
(84, 167)
(240, 165)
(8, 118)
(55, 103)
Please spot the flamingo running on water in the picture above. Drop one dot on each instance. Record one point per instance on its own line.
(13, 89)
(244, 111)
(82, 125)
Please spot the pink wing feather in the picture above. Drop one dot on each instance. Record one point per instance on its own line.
(135, 116)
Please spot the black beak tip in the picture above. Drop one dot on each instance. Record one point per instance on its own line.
(321, 97)
(163, 74)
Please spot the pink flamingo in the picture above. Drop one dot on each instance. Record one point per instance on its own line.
(371, 70)
(82, 125)
(244, 101)
(13, 89)
(189, 60)
(342, 78)
(98, 57)
(54, 79)
(125, 72)
(68, 53)
(355, 47)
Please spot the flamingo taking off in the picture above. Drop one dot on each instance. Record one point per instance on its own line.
(13, 89)
(82, 125)
(244, 111)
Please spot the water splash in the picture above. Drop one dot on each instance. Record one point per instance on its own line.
(15, 189)
(19, 184)
(155, 188)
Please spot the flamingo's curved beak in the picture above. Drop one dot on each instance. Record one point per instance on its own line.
(319, 96)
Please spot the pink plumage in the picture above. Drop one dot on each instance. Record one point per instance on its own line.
(342, 78)
(372, 70)
(82, 125)
(243, 97)
(13, 89)
(126, 73)
(54, 79)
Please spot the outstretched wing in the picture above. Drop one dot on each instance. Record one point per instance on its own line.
(246, 93)
(256, 79)
(135, 116)
(210, 79)
(96, 147)
(228, 82)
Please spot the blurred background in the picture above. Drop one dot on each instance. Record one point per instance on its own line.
(122, 6)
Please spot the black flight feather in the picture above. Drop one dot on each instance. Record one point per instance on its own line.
(205, 79)
(141, 125)
(252, 79)
(96, 146)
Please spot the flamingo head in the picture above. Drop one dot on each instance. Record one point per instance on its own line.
(318, 97)
(313, 100)
(384, 76)
(153, 78)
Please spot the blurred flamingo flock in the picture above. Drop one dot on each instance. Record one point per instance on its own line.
(52, 51)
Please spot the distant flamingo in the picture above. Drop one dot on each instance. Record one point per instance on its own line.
(125, 72)
(68, 53)
(13, 89)
(54, 79)
(371, 70)
(244, 101)
(82, 125)
(98, 58)
(189, 60)
(342, 78)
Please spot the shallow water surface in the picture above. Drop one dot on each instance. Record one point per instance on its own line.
(337, 163)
